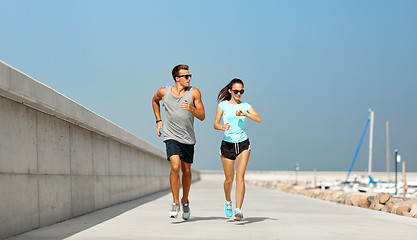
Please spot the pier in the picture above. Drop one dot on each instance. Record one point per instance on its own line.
(269, 214)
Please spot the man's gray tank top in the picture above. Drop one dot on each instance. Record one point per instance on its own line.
(179, 123)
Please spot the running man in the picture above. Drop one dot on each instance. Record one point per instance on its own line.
(182, 103)
(235, 146)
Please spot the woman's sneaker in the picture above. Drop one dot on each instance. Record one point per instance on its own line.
(186, 210)
(238, 214)
(228, 208)
(174, 210)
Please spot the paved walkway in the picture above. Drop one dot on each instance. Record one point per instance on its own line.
(269, 214)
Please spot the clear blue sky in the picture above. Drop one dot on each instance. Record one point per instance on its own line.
(311, 69)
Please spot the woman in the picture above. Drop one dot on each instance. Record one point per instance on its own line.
(235, 145)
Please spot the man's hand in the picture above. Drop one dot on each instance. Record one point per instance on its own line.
(158, 128)
(186, 106)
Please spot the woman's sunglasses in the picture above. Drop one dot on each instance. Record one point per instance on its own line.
(238, 91)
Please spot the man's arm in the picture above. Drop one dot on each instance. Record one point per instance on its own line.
(198, 110)
(198, 103)
(159, 95)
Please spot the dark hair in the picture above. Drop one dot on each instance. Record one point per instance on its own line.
(224, 93)
(177, 68)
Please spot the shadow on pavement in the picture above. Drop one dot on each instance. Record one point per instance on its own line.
(195, 219)
(250, 220)
(73, 226)
(245, 221)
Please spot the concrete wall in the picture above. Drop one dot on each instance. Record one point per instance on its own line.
(59, 160)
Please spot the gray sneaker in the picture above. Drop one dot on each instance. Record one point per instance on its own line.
(175, 210)
(186, 210)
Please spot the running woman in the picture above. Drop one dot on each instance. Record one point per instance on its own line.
(235, 146)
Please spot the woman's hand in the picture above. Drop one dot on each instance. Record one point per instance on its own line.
(226, 127)
(240, 113)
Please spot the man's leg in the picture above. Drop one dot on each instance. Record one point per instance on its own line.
(174, 177)
(186, 180)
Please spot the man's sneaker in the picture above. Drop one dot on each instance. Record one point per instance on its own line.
(186, 210)
(228, 208)
(174, 210)
(238, 214)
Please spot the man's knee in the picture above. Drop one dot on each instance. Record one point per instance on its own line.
(186, 172)
(175, 163)
(175, 169)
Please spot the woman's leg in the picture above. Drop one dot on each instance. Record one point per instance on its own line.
(241, 164)
(229, 169)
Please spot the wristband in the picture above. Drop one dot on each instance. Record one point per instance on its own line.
(245, 114)
(157, 121)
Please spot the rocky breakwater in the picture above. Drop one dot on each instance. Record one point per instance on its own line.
(376, 201)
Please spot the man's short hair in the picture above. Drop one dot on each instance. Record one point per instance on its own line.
(177, 68)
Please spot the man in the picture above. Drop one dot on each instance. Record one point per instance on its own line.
(182, 103)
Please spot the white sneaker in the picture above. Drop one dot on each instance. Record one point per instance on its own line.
(238, 214)
(175, 210)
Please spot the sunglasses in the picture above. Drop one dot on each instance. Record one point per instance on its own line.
(186, 76)
(238, 91)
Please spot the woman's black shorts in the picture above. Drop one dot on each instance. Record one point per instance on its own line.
(232, 150)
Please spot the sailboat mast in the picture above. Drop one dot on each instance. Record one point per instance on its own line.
(387, 127)
(371, 131)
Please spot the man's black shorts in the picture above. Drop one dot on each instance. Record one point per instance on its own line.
(232, 150)
(185, 151)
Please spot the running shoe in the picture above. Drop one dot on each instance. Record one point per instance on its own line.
(174, 210)
(228, 208)
(186, 210)
(238, 214)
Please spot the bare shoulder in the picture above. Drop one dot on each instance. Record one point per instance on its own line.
(161, 92)
(196, 93)
(159, 95)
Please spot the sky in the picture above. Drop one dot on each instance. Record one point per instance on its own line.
(311, 69)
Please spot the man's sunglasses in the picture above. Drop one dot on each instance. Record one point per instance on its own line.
(238, 91)
(186, 76)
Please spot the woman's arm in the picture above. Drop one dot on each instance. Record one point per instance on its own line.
(253, 115)
(217, 124)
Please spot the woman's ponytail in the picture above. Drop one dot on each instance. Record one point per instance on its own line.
(224, 94)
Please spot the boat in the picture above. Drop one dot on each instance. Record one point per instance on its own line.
(367, 183)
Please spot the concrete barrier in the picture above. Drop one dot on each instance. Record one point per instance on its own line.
(59, 160)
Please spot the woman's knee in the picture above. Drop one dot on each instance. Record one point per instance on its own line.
(240, 178)
(228, 179)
